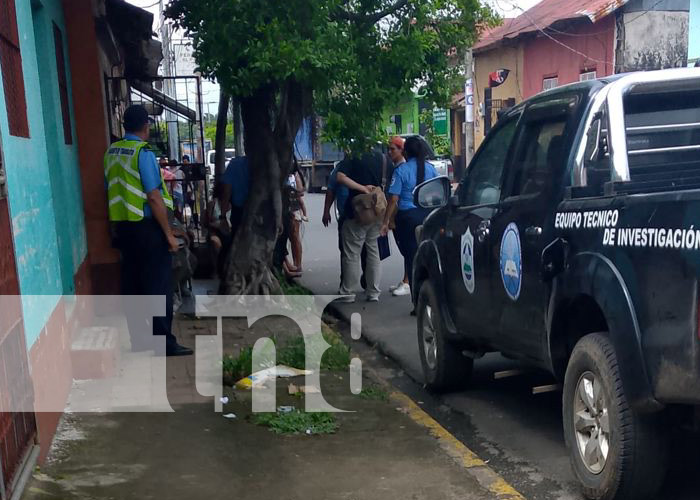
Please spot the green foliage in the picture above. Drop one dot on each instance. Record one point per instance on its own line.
(297, 422)
(290, 287)
(291, 353)
(440, 143)
(210, 133)
(374, 392)
(237, 367)
(336, 357)
(357, 57)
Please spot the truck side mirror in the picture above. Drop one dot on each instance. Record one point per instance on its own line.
(433, 193)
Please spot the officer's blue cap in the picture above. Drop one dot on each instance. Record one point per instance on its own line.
(135, 117)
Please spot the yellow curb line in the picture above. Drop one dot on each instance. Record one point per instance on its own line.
(465, 457)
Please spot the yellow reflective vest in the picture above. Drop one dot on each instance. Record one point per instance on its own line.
(124, 189)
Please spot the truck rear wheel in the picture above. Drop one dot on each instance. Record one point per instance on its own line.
(444, 365)
(616, 453)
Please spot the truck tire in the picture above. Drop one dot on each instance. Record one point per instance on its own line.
(616, 453)
(444, 366)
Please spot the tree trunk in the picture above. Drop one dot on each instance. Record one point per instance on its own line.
(238, 128)
(220, 139)
(269, 152)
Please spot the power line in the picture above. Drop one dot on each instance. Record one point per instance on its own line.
(644, 13)
(562, 43)
(559, 32)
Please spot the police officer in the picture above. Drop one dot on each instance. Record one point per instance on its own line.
(138, 208)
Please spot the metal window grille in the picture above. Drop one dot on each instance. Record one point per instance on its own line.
(587, 75)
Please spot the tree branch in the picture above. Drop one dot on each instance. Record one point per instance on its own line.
(370, 18)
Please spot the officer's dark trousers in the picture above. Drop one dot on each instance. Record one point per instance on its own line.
(146, 270)
(405, 232)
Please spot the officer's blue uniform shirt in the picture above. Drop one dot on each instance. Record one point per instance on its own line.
(341, 191)
(237, 175)
(404, 181)
(149, 171)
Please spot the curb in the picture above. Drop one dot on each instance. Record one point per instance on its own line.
(463, 456)
(484, 475)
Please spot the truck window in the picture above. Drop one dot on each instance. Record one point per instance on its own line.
(482, 184)
(540, 148)
(541, 151)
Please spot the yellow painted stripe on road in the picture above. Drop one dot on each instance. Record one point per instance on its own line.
(465, 457)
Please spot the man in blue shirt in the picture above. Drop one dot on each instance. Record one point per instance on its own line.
(145, 240)
(339, 193)
(235, 183)
(335, 192)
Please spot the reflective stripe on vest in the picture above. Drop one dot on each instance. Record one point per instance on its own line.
(125, 193)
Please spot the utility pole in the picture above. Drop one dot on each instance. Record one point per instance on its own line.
(468, 109)
(168, 85)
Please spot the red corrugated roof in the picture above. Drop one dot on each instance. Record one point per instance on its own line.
(546, 13)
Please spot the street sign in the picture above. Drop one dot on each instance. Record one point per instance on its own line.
(440, 121)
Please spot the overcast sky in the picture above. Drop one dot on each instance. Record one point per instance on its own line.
(507, 8)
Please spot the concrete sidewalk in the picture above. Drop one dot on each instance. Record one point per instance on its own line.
(378, 452)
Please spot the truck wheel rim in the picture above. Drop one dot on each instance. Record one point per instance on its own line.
(591, 423)
(429, 340)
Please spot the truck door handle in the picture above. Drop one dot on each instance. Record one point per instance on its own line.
(533, 231)
(483, 230)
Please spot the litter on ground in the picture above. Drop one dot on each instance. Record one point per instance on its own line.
(259, 378)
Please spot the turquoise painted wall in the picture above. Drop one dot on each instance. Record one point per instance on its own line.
(694, 32)
(63, 159)
(42, 178)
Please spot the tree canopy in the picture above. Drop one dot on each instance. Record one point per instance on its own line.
(345, 60)
(356, 56)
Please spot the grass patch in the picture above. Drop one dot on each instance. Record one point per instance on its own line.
(291, 353)
(336, 357)
(290, 287)
(297, 422)
(237, 367)
(374, 392)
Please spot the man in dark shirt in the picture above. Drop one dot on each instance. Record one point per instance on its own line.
(360, 174)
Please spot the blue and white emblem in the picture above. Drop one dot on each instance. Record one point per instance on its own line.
(467, 260)
(511, 261)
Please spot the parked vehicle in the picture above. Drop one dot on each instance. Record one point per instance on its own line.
(228, 154)
(316, 157)
(577, 233)
(442, 164)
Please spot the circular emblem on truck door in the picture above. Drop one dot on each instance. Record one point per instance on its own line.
(467, 260)
(511, 261)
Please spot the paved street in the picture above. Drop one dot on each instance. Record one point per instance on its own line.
(518, 433)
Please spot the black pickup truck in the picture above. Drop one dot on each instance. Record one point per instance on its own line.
(573, 243)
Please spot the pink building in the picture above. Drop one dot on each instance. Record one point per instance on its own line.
(564, 41)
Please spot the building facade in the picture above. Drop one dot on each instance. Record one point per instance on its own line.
(55, 125)
(563, 41)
